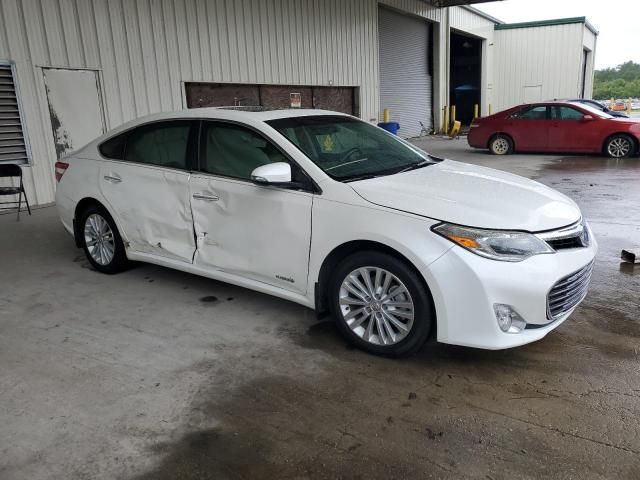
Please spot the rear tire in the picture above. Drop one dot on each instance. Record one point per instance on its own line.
(101, 240)
(380, 304)
(501, 145)
(620, 146)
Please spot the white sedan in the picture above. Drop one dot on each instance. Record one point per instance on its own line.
(333, 213)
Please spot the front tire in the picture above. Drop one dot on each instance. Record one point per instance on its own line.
(620, 146)
(501, 145)
(380, 304)
(101, 240)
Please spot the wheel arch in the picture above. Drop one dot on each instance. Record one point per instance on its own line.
(81, 206)
(634, 140)
(341, 252)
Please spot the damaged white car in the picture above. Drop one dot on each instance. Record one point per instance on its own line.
(333, 213)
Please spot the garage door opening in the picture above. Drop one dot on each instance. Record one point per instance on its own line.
(406, 71)
(337, 99)
(466, 75)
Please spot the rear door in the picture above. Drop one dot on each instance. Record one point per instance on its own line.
(529, 128)
(146, 184)
(569, 131)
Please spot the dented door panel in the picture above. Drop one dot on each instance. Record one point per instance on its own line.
(261, 233)
(152, 206)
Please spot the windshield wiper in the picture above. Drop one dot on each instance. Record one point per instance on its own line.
(415, 166)
(362, 177)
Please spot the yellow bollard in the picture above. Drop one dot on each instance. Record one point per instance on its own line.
(445, 120)
(386, 117)
(629, 106)
(489, 109)
(475, 111)
(453, 114)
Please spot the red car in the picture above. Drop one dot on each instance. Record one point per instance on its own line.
(565, 127)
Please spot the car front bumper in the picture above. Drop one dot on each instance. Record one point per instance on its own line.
(465, 287)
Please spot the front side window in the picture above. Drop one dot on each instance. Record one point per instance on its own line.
(165, 144)
(234, 151)
(531, 113)
(566, 113)
(349, 149)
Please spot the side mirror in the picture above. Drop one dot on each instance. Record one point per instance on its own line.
(588, 118)
(278, 173)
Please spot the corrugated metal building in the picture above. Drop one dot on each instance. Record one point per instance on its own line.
(539, 61)
(72, 69)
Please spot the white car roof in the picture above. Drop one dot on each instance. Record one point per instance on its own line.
(217, 113)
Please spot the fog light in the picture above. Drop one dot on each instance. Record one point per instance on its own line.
(508, 319)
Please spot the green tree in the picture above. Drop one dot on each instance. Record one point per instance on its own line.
(622, 81)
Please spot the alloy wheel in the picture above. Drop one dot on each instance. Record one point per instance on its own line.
(619, 147)
(376, 306)
(99, 239)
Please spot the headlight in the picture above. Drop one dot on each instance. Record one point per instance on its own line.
(495, 244)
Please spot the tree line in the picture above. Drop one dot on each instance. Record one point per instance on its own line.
(622, 81)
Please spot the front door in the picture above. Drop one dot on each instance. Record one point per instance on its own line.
(257, 232)
(568, 132)
(148, 188)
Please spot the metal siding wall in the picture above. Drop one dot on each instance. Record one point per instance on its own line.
(405, 84)
(144, 49)
(549, 57)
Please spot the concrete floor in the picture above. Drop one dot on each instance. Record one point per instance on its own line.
(156, 374)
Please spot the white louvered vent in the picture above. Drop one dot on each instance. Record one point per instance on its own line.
(12, 146)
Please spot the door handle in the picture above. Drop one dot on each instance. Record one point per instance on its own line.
(206, 198)
(112, 178)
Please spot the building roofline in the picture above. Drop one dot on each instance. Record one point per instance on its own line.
(548, 23)
(482, 14)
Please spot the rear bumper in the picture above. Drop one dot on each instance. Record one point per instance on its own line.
(465, 288)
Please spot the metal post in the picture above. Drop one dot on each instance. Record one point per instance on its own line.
(453, 114)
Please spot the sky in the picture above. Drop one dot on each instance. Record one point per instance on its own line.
(618, 22)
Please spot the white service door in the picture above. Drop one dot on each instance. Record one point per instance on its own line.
(75, 107)
(261, 233)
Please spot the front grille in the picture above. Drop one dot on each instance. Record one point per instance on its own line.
(568, 292)
(574, 236)
(565, 243)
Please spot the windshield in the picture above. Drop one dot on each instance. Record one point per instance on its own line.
(594, 111)
(348, 149)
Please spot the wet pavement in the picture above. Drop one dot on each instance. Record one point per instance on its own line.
(156, 374)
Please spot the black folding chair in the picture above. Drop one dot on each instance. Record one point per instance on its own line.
(13, 171)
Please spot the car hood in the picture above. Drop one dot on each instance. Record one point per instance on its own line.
(473, 196)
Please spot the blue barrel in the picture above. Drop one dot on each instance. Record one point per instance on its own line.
(391, 127)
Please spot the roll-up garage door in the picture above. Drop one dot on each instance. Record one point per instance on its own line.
(405, 76)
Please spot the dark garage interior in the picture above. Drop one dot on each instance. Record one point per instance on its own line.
(465, 75)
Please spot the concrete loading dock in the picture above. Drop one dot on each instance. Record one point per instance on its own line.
(156, 374)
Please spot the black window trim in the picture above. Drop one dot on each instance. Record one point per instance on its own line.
(313, 187)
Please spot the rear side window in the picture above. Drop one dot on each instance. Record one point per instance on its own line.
(165, 144)
(531, 113)
(114, 147)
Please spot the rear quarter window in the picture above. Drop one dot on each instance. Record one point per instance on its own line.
(114, 147)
